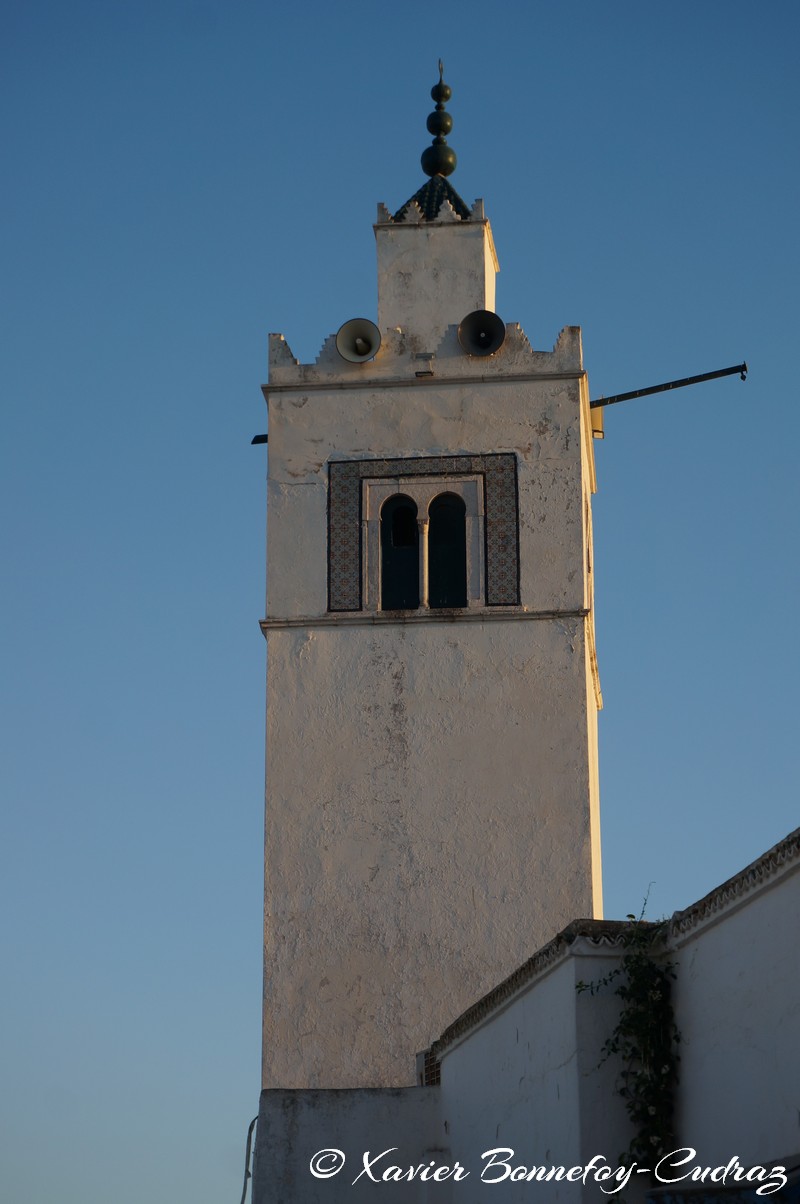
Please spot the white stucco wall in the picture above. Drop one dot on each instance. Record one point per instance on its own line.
(432, 275)
(442, 832)
(737, 999)
(539, 420)
(295, 1126)
(524, 1079)
(520, 1070)
(432, 779)
(527, 1078)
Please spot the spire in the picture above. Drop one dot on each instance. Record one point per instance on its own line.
(439, 159)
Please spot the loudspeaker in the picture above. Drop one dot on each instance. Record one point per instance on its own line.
(358, 340)
(482, 332)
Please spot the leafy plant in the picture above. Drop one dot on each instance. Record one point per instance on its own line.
(644, 1039)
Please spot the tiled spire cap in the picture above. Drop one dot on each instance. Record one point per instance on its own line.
(430, 198)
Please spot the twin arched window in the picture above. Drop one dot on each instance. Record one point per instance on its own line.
(443, 563)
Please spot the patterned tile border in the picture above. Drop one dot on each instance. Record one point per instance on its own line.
(501, 526)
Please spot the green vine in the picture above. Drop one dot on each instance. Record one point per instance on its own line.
(644, 1039)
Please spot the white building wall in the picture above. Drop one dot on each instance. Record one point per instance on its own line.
(528, 1079)
(737, 1000)
(432, 275)
(521, 1069)
(335, 1129)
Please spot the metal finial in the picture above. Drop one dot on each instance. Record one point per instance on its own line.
(439, 159)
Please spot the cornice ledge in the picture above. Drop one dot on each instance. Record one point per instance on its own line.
(596, 933)
(494, 614)
(308, 378)
(780, 859)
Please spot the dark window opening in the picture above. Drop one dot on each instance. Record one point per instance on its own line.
(399, 554)
(447, 552)
(404, 527)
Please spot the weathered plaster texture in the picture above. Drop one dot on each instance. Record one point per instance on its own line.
(523, 1067)
(293, 1126)
(737, 1000)
(539, 421)
(428, 272)
(432, 778)
(428, 823)
(543, 1091)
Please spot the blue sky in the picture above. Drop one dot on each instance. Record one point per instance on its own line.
(182, 178)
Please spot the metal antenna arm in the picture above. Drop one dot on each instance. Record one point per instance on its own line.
(670, 384)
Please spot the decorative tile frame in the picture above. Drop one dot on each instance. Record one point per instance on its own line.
(501, 533)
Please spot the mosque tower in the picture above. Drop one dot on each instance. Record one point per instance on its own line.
(432, 787)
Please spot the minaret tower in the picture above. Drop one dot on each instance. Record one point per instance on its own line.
(432, 799)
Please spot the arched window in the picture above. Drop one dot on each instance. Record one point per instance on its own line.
(399, 554)
(447, 552)
(358, 543)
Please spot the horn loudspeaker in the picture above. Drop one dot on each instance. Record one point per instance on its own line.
(482, 332)
(358, 340)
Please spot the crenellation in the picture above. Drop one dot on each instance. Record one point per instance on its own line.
(412, 214)
(280, 353)
(402, 358)
(568, 349)
(329, 355)
(447, 213)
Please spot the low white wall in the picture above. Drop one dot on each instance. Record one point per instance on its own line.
(528, 1080)
(298, 1129)
(737, 999)
(521, 1072)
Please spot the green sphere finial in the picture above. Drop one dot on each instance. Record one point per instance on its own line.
(439, 159)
